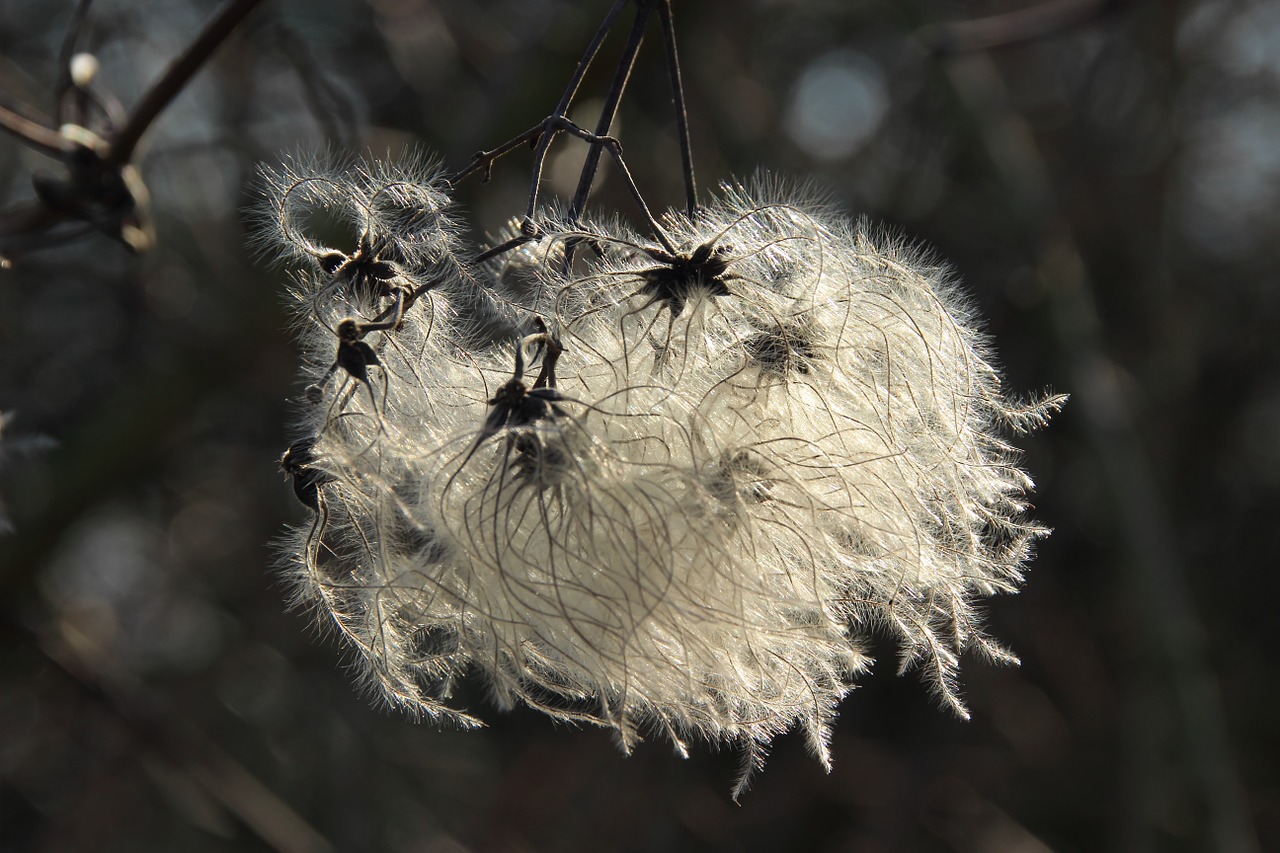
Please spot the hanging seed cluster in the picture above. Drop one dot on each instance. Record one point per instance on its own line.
(668, 484)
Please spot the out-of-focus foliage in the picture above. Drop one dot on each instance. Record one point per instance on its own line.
(1109, 193)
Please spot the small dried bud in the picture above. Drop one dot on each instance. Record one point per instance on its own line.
(84, 67)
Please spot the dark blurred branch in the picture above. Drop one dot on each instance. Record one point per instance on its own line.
(160, 730)
(102, 188)
(1012, 27)
(175, 79)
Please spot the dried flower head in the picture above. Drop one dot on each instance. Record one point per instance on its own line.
(707, 466)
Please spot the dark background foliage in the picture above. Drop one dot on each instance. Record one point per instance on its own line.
(1109, 192)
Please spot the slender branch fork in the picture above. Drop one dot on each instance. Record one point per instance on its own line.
(76, 198)
(609, 111)
(541, 135)
(22, 224)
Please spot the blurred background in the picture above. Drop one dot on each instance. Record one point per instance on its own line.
(1104, 176)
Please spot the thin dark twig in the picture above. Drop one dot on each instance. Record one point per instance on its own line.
(67, 51)
(107, 179)
(610, 109)
(682, 115)
(505, 246)
(485, 159)
(615, 149)
(540, 155)
(175, 78)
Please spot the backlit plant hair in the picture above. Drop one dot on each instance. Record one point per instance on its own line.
(665, 480)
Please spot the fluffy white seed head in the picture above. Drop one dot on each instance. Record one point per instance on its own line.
(682, 500)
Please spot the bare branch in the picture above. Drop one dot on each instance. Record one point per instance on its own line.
(175, 78)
